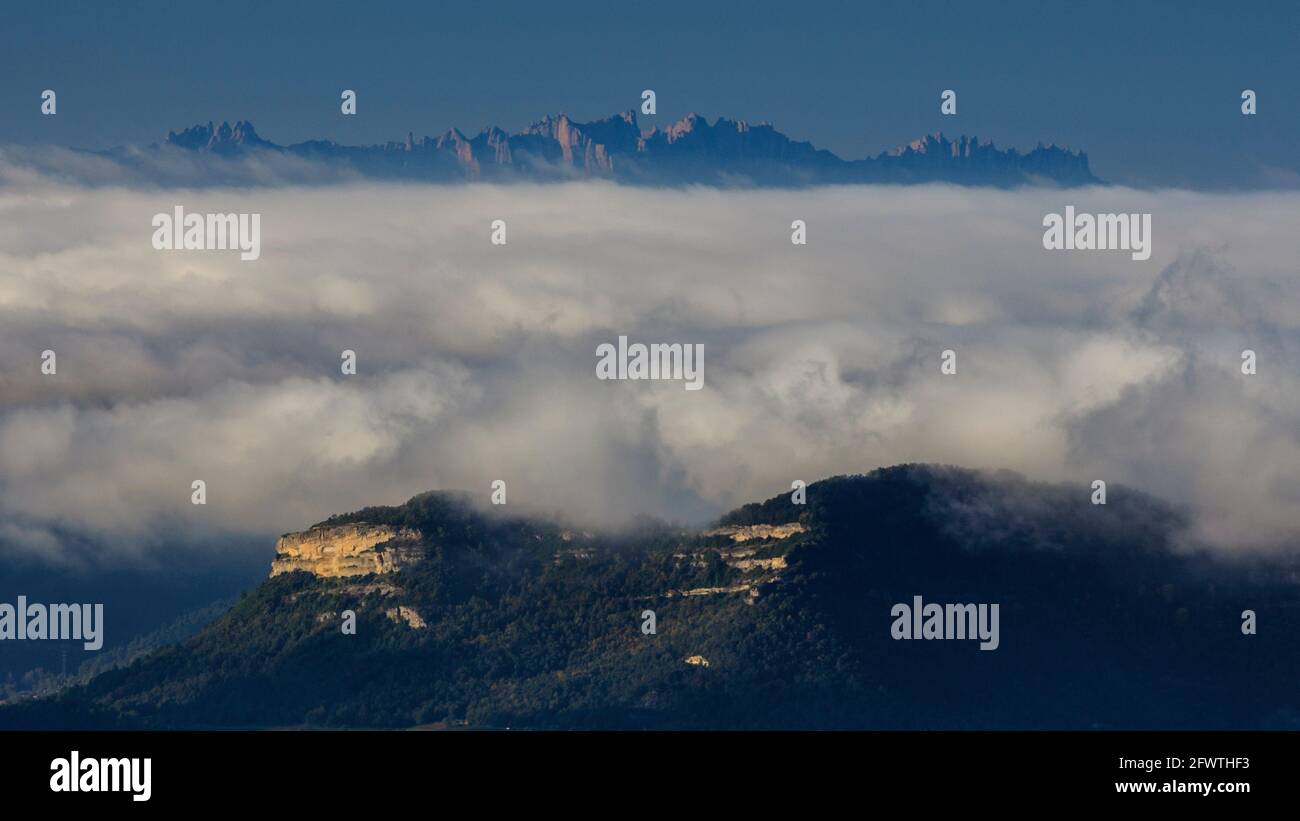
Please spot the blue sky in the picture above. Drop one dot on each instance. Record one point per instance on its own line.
(1150, 90)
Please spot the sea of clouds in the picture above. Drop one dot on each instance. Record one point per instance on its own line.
(477, 362)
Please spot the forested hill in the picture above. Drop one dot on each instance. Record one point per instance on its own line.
(780, 616)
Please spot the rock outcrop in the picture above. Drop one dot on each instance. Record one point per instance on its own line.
(347, 550)
(406, 615)
(746, 533)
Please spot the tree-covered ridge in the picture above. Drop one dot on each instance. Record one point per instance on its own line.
(1107, 621)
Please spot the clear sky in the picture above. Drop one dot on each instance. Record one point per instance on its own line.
(1151, 90)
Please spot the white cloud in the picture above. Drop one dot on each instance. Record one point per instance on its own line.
(477, 362)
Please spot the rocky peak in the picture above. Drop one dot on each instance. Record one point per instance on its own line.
(686, 125)
(452, 138)
(222, 138)
(548, 126)
(934, 143)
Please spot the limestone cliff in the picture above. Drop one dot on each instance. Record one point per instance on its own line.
(745, 533)
(347, 550)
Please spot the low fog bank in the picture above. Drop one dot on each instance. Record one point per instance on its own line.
(477, 362)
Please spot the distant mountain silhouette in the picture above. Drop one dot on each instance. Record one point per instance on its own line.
(691, 151)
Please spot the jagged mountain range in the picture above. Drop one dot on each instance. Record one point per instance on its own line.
(776, 616)
(691, 151)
